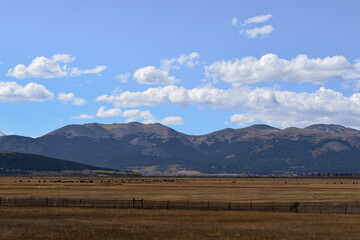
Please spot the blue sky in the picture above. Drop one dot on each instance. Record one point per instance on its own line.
(195, 66)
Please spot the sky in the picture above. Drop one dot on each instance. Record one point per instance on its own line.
(195, 66)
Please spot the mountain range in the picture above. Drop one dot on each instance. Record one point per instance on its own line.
(157, 149)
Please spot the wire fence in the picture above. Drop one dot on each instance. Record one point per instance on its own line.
(304, 207)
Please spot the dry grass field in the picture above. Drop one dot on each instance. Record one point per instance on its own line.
(184, 189)
(92, 223)
(81, 223)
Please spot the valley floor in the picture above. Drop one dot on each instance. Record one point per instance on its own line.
(186, 189)
(80, 223)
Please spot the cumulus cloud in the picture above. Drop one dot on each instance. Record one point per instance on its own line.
(151, 75)
(67, 97)
(174, 95)
(83, 116)
(176, 63)
(79, 101)
(95, 70)
(257, 19)
(272, 106)
(257, 31)
(31, 92)
(108, 113)
(160, 76)
(272, 68)
(285, 108)
(172, 120)
(123, 77)
(136, 114)
(54, 67)
(234, 21)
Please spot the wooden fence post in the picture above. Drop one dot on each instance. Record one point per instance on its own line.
(345, 208)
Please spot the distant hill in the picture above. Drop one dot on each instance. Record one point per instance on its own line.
(21, 163)
(157, 149)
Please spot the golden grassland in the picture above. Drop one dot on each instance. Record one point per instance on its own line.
(81, 223)
(92, 223)
(186, 189)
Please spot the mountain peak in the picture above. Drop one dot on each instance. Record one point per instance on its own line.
(329, 128)
(260, 127)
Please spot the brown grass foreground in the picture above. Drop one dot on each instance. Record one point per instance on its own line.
(79, 223)
(185, 189)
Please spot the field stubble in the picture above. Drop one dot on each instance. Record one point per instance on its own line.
(80, 223)
(186, 189)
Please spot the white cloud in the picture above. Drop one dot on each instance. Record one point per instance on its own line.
(31, 92)
(173, 95)
(272, 68)
(257, 19)
(176, 63)
(54, 67)
(234, 21)
(67, 97)
(83, 116)
(123, 77)
(95, 70)
(108, 113)
(135, 115)
(160, 76)
(172, 120)
(151, 75)
(255, 32)
(79, 101)
(285, 108)
(271, 106)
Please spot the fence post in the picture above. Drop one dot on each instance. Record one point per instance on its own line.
(345, 208)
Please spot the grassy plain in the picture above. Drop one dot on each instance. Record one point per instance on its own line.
(91, 223)
(81, 223)
(183, 189)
